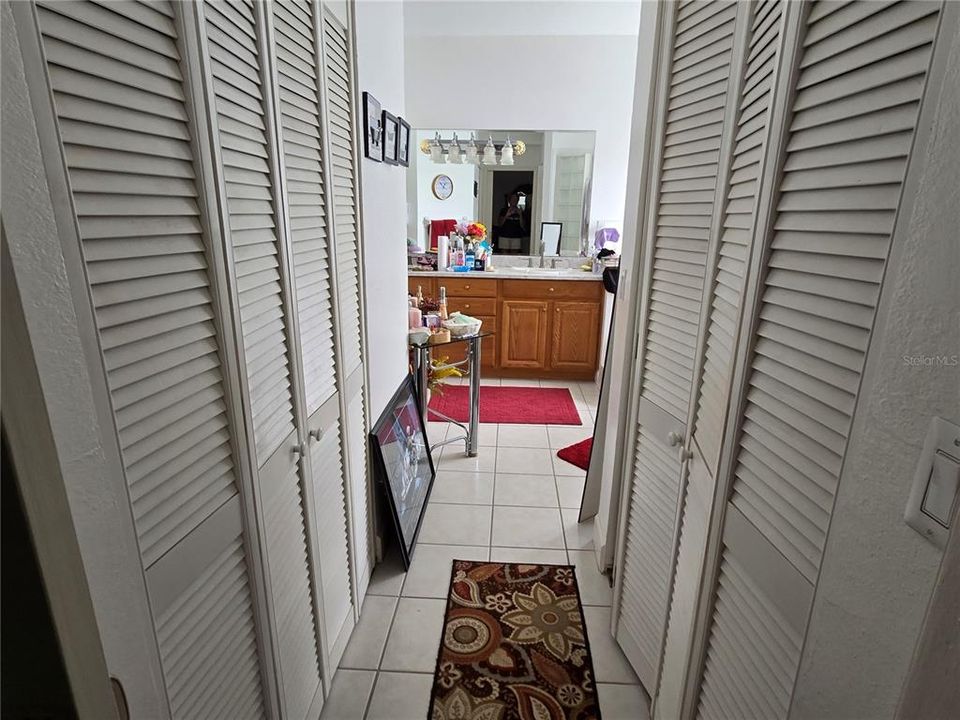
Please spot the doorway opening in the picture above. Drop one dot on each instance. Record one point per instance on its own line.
(511, 208)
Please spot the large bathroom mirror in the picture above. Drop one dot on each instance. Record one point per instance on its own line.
(510, 180)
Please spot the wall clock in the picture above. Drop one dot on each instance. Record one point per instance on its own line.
(442, 187)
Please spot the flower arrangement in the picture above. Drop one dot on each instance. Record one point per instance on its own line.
(471, 232)
(440, 369)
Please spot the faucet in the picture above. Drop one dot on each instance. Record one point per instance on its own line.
(543, 250)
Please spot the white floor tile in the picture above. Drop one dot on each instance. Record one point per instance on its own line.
(579, 535)
(623, 702)
(594, 587)
(455, 458)
(429, 574)
(570, 490)
(571, 385)
(369, 636)
(523, 436)
(349, 695)
(401, 696)
(562, 436)
(526, 490)
(469, 488)
(524, 461)
(562, 467)
(446, 524)
(415, 636)
(519, 382)
(527, 527)
(609, 662)
(387, 576)
(528, 555)
(436, 431)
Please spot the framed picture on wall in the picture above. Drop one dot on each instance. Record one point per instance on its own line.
(372, 128)
(391, 133)
(403, 143)
(403, 465)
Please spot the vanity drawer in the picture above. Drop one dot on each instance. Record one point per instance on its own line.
(469, 287)
(549, 289)
(472, 306)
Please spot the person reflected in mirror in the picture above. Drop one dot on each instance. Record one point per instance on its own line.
(513, 232)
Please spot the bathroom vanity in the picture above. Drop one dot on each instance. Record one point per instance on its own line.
(547, 323)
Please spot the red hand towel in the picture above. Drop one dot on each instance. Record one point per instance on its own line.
(438, 228)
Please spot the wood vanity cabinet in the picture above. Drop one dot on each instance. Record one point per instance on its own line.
(523, 341)
(543, 328)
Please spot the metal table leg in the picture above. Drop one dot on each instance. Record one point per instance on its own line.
(473, 433)
(423, 380)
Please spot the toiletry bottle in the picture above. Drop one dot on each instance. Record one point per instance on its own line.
(419, 296)
(469, 256)
(414, 316)
(443, 303)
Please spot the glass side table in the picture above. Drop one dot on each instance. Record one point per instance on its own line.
(421, 366)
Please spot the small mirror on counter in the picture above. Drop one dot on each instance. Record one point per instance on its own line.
(550, 233)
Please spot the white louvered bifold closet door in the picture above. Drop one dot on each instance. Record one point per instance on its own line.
(341, 139)
(119, 94)
(241, 110)
(861, 74)
(724, 298)
(296, 28)
(694, 91)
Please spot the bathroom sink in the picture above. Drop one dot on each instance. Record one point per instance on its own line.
(545, 272)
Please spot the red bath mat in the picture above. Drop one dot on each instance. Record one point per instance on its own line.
(577, 454)
(515, 405)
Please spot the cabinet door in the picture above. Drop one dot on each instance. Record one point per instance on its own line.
(575, 337)
(524, 342)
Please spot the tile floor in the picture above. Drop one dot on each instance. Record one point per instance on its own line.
(514, 502)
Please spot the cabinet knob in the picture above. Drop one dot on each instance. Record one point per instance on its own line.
(551, 289)
(466, 287)
(316, 434)
(299, 449)
(674, 438)
(467, 306)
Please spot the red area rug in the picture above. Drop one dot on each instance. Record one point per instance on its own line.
(515, 405)
(577, 454)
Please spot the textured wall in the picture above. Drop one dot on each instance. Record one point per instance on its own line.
(379, 32)
(877, 573)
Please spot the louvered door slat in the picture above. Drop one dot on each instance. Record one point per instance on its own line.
(339, 90)
(728, 284)
(300, 133)
(702, 95)
(252, 223)
(331, 509)
(831, 237)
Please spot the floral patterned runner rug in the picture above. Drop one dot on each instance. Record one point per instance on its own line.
(514, 646)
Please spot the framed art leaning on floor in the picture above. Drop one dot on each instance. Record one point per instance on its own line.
(403, 464)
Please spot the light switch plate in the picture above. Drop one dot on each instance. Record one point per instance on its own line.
(933, 496)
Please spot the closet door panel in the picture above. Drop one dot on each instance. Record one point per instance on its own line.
(859, 79)
(342, 194)
(119, 97)
(299, 72)
(694, 89)
(243, 90)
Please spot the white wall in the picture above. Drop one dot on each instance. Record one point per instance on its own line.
(460, 204)
(379, 47)
(877, 573)
(576, 61)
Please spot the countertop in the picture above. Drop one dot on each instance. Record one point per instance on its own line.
(510, 273)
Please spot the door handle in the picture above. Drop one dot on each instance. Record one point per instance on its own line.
(674, 438)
